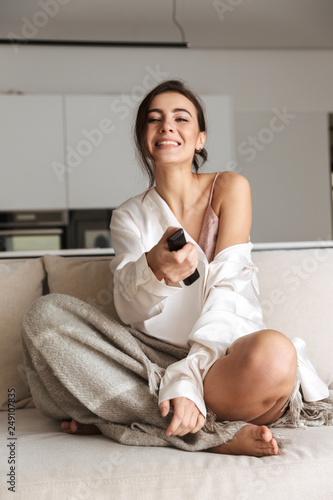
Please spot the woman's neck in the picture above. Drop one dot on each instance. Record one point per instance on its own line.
(180, 189)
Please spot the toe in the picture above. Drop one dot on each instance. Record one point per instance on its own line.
(274, 447)
(73, 426)
(264, 434)
(269, 448)
(64, 426)
(267, 444)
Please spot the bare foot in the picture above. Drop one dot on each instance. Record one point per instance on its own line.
(75, 427)
(251, 440)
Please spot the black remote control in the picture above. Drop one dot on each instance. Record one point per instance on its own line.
(175, 242)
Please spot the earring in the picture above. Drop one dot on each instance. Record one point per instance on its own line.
(198, 150)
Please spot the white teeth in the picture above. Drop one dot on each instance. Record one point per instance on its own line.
(167, 143)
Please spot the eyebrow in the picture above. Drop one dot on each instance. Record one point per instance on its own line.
(176, 110)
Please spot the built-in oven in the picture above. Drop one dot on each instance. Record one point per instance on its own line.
(89, 228)
(33, 230)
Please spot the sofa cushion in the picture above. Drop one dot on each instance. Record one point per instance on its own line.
(84, 278)
(93, 467)
(296, 291)
(21, 283)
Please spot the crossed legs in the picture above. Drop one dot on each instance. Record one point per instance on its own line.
(252, 383)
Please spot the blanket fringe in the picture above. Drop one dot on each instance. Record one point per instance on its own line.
(226, 430)
(155, 374)
(303, 413)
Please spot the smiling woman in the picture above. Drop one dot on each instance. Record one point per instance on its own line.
(173, 134)
(232, 368)
(190, 108)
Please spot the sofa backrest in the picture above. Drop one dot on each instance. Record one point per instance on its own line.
(296, 293)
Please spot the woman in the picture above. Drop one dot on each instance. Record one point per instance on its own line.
(250, 378)
(235, 367)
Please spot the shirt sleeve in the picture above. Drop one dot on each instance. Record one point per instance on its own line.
(231, 309)
(138, 294)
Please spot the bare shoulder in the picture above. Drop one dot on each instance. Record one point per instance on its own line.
(230, 187)
(229, 180)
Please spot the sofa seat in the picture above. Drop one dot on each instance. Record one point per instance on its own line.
(57, 466)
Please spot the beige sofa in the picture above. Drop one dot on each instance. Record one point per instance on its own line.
(41, 462)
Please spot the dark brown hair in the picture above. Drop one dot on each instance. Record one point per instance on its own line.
(145, 159)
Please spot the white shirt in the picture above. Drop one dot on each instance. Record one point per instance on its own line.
(205, 317)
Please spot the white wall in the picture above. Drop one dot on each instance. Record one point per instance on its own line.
(285, 157)
(259, 81)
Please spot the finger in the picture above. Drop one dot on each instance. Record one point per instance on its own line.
(194, 253)
(164, 408)
(176, 424)
(181, 422)
(188, 255)
(190, 425)
(200, 423)
(173, 428)
(184, 252)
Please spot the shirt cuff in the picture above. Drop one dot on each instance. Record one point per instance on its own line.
(183, 388)
(141, 276)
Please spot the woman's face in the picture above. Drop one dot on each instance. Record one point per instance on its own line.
(173, 132)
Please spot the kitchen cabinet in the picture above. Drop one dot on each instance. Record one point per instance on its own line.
(101, 165)
(77, 151)
(31, 138)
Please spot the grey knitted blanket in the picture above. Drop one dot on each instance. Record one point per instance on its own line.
(84, 365)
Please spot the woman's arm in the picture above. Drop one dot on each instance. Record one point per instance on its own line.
(138, 294)
(231, 308)
(232, 202)
(145, 274)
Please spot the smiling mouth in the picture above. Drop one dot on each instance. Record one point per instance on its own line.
(167, 143)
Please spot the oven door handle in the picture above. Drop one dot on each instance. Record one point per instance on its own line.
(29, 232)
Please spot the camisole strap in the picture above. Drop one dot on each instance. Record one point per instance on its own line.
(212, 189)
(210, 226)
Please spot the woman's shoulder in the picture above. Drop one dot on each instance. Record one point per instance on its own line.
(229, 183)
(230, 178)
(224, 179)
(229, 187)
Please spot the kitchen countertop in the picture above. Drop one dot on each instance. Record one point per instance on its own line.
(82, 252)
(75, 252)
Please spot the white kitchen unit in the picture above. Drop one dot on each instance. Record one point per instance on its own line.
(31, 138)
(77, 151)
(102, 170)
(100, 160)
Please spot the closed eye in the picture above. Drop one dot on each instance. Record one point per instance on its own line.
(151, 120)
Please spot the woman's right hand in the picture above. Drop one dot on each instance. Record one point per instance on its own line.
(186, 416)
(172, 266)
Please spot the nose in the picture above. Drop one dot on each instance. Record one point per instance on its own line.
(166, 126)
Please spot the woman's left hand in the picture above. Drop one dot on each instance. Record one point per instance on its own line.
(186, 416)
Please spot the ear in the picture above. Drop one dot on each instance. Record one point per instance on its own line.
(201, 141)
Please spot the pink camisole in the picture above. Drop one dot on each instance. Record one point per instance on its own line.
(210, 227)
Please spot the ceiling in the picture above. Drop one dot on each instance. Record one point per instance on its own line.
(219, 24)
